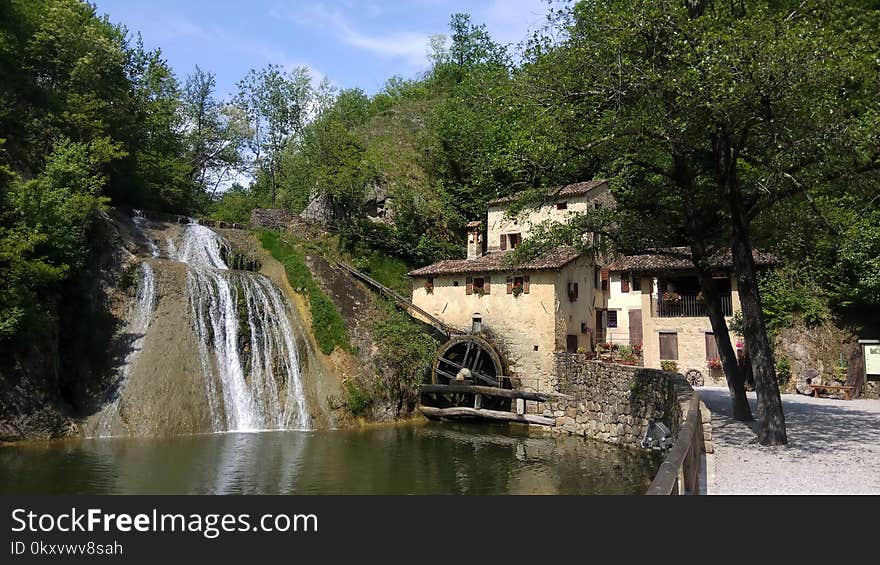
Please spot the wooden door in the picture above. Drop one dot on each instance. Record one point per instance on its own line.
(635, 327)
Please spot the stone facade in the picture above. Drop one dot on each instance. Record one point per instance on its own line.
(500, 224)
(691, 333)
(615, 403)
(529, 328)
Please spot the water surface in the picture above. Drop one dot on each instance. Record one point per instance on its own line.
(435, 458)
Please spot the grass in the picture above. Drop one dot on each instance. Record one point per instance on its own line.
(390, 271)
(327, 324)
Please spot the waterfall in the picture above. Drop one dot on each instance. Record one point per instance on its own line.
(136, 330)
(249, 359)
(141, 222)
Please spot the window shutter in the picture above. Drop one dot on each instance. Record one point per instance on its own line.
(669, 346)
(487, 285)
(503, 242)
(526, 284)
(509, 285)
(469, 288)
(605, 275)
(624, 282)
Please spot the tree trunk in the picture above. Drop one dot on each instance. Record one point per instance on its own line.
(771, 420)
(771, 428)
(732, 372)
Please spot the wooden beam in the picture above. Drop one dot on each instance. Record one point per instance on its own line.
(462, 411)
(491, 391)
(483, 377)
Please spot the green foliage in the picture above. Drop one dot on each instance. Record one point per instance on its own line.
(327, 324)
(670, 366)
(407, 349)
(789, 295)
(44, 226)
(357, 400)
(783, 371)
(234, 205)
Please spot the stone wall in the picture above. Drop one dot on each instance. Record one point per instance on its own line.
(271, 219)
(615, 403)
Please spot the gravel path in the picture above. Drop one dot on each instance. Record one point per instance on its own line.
(834, 448)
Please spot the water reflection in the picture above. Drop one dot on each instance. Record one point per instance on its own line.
(419, 459)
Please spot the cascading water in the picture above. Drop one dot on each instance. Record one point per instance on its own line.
(248, 356)
(136, 330)
(206, 347)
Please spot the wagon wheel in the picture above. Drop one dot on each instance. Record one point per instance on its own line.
(473, 360)
(694, 377)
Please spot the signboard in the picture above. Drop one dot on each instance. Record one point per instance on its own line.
(871, 349)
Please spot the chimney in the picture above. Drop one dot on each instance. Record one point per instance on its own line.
(475, 240)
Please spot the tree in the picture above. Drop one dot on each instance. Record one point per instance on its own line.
(277, 105)
(713, 116)
(215, 133)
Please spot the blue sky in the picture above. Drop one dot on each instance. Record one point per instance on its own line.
(353, 43)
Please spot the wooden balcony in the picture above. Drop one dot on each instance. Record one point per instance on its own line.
(687, 306)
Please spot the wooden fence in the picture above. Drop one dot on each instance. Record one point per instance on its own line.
(680, 471)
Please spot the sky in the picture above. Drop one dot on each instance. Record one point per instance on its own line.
(353, 43)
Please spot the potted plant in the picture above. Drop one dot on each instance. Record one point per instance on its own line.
(670, 366)
(671, 297)
(518, 289)
(714, 363)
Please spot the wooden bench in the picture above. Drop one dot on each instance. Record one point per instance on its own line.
(847, 390)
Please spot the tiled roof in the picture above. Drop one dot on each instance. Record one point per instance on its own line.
(576, 189)
(493, 262)
(678, 259)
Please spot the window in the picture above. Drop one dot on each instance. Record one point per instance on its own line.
(514, 239)
(478, 285)
(454, 283)
(571, 343)
(562, 205)
(624, 282)
(711, 347)
(572, 292)
(637, 282)
(518, 285)
(612, 318)
(669, 346)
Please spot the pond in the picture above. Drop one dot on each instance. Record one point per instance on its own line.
(433, 458)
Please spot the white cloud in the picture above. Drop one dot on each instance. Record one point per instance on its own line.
(410, 46)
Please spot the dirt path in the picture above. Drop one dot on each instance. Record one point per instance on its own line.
(834, 448)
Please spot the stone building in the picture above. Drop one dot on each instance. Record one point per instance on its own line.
(531, 311)
(566, 302)
(654, 301)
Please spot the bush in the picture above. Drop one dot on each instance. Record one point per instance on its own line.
(407, 349)
(783, 371)
(670, 366)
(357, 400)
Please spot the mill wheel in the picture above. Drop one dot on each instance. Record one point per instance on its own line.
(694, 377)
(469, 359)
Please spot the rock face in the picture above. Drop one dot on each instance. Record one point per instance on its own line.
(379, 205)
(615, 403)
(318, 211)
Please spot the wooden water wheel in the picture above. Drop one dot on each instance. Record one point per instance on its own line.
(469, 360)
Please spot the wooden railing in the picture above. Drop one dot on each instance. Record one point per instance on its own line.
(680, 471)
(406, 304)
(687, 306)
